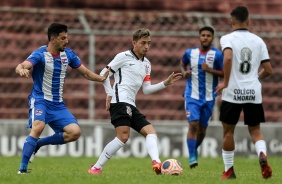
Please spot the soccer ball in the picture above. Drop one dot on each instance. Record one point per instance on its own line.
(171, 167)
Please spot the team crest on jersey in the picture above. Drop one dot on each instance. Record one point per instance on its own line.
(128, 110)
(147, 69)
(38, 112)
(210, 58)
(188, 114)
(64, 61)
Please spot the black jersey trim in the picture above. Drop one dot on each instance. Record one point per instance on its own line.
(136, 55)
(117, 97)
(227, 48)
(264, 61)
(241, 29)
(111, 69)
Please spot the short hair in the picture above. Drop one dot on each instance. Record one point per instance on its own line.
(141, 33)
(55, 29)
(207, 28)
(240, 13)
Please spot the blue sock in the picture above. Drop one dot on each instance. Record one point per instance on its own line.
(54, 139)
(28, 149)
(191, 144)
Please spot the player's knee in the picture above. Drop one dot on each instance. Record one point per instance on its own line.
(123, 138)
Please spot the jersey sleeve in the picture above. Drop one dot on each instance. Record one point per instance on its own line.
(225, 43)
(34, 58)
(219, 60)
(186, 57)
(117, 63)
(75, 61)
(264, 52)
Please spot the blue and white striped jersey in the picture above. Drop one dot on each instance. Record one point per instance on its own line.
(201, 84)
(49, 72)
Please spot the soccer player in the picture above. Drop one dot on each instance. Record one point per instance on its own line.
(244, 52)
(131, 70)
(46, 104)
(201, 66)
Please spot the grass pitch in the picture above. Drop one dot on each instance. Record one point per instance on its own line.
(67, 170)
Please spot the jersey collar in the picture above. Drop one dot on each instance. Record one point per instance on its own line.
(241, 29)
(136, 55)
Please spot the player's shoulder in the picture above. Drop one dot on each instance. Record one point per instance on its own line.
(125, 55)
(215, 49)
(41, 49)
(69, 51)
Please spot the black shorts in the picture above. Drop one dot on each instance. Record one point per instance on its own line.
(124, 114)
(230, 113)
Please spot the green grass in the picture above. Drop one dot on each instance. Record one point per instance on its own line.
(132, 170)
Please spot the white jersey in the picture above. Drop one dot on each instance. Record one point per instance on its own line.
(129, 75)
(249, 51)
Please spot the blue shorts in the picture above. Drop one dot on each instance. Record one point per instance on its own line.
(55, 114)
(199, 110)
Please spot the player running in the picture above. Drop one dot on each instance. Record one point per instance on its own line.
(131, 70)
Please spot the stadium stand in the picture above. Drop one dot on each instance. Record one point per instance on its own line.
(24, 29)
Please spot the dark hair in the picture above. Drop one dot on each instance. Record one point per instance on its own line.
(206, 28)
(240, 13)
(141, 33)
(55, 29)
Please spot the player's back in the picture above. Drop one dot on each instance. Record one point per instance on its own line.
(249, 51)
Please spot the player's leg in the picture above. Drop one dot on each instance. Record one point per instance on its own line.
(206, 113)
(110, 149)
(257, 136)
(193, 108)
(200, 137)
(141, 125)
(121, 119)
(150, 134)
(229, 116)
(37, 113)
(63, 123)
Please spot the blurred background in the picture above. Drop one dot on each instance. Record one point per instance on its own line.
(100, 29)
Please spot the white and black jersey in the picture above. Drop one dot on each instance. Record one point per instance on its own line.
(130, 73)
(249, 51)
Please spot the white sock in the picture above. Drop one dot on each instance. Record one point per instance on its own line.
(228, 159)
(110, 149)
(260, 147)
(152, 147)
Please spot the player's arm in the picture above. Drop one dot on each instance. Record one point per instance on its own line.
(206, 68)
(23, 68)
(266, 71)
(89, 75)
(227, 62)
(148, 88)
(107, 86)
(185, 70)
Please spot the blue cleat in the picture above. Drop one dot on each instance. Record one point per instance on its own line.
(193, 162)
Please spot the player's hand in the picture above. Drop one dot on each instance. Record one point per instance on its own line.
(23, 73)
(219, 88)
(205, 67)
(186, 74)
(108, 101)
(104, 77)
(172, 78)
